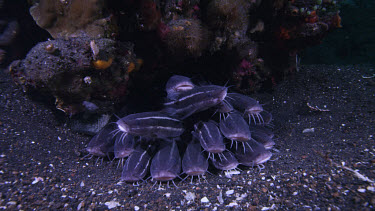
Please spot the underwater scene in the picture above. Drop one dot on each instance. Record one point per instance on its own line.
(187, 105)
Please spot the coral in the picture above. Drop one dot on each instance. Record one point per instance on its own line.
(227, 14)
(249, 75)
(134, 65)
(291, 26)
(71, 18)
(249, 42)
(308, 21)
(102, 64)
(258, 40)
(228, 19)
(186, 37)
(71, 72)
(168, 33)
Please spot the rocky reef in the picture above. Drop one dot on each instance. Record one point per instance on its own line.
(68, 18)
(253, 44)
(80, 73)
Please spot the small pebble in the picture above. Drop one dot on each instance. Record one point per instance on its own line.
(190, 196)
(241, 197)
(232, 204)
(308, 130)
(12, 203)
(371, 188)
(80, 205)
(361, 190)
(220, 198)
(273, 207)
(205, 200)
(37, 179)
(228, 174)
(229, 192)
(112, 204)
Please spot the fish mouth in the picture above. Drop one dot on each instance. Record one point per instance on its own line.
(195, 172)
(255, 110)
(123, 154)
(184, 87)
(269, 145)
(95, 151)
(230, 166)
(264, 157)
(164, 176)
(131, 179)
(217, 150)
(239, 137)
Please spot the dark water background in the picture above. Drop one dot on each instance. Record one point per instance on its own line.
(354, 43)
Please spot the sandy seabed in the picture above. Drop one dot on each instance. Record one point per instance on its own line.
(324, 120)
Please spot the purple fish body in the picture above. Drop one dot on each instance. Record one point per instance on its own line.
(227, 161)
(124, 145)
(193, 162)
(209, 136)
(102, 143)
(195, 100)
(235, 128)
(224, 107)
(166, 164)
(263, 136)
(254, 153)
(149, 139)
(136, 166)
(151, 124)
(176, 85)
(260, 129)
(246, 105)
(266, 117)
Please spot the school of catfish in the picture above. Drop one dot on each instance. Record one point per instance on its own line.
(204, 123)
